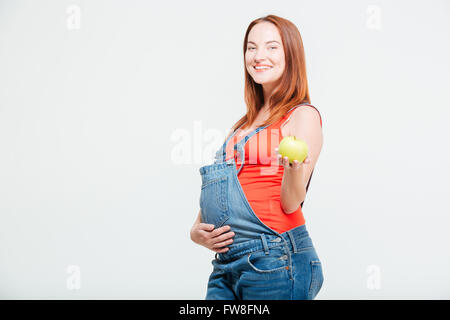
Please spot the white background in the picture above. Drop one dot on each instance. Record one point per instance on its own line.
(96, 97)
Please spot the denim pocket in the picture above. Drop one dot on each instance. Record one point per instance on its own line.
(316, 279)
(276, 260)
(214, 200)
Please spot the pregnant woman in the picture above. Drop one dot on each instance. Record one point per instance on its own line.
(251, 198)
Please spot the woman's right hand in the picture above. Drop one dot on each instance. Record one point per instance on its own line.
(205, 235)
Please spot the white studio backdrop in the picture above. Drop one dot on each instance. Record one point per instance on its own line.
(109, 108)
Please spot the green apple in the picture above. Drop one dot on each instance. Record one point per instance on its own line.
(293, 148)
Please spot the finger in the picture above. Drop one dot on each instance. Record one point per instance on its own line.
(286, 161)
(206, 226)
(220, 250)
(223, 243)
(224, 236)
(219, 231)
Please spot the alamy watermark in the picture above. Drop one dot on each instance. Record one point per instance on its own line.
(200, 146)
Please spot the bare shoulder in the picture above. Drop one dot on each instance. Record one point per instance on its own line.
(302, 115)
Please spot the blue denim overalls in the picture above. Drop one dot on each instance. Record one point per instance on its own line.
(260, 263)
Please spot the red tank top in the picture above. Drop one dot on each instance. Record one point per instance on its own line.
(261, 177)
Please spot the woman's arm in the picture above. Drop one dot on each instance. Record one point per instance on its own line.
(305, 125)
(293, 191)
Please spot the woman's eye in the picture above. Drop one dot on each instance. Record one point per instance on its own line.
(251, 48)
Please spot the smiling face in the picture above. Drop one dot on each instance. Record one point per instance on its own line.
(265, 48)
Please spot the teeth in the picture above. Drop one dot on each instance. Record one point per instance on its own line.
(262, 67)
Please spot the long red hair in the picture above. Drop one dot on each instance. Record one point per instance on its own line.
(293, 85)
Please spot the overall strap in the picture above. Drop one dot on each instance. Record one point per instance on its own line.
(221, 153)
(240, 145)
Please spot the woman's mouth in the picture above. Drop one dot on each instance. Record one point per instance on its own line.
(261, 68)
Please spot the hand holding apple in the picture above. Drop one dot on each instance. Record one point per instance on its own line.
(292, 152)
